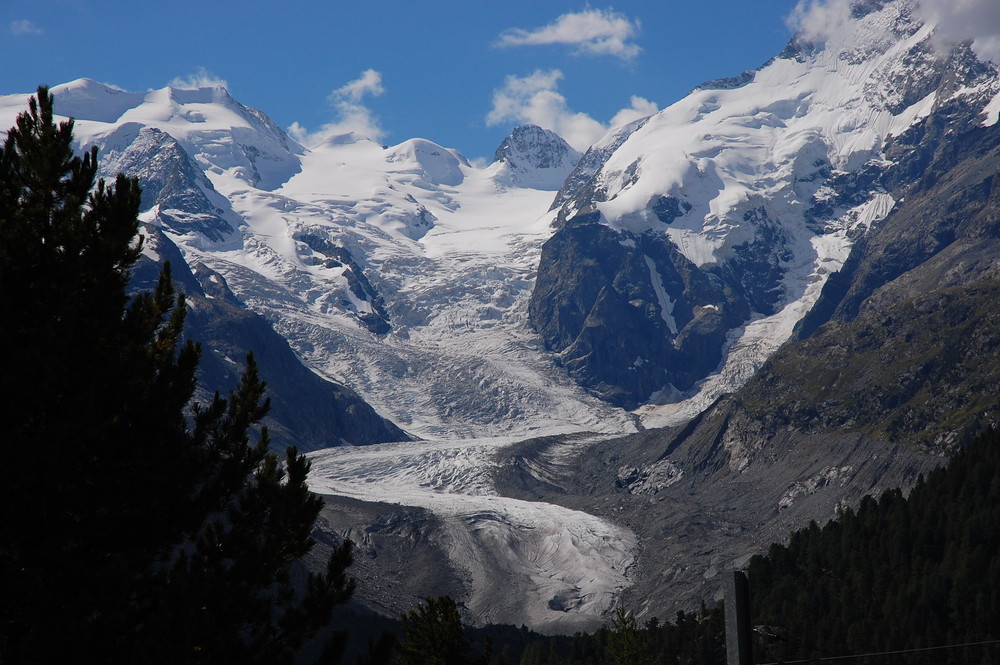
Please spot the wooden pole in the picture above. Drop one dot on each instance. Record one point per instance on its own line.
(737, 598)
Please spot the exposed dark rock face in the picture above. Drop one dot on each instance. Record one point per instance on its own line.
(376, 320)
(669, 208)
(600, 302)
(632, 319)
(307, 411)
(844, 190)
(728, 82)
(536, 157)
(755, 268)
(169, 181)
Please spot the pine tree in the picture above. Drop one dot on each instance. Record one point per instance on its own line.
(626, 641)
(133, 530)
(433, 635)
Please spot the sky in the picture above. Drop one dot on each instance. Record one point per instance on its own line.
(461, 73)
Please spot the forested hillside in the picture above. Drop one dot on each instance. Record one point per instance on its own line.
(899, 573)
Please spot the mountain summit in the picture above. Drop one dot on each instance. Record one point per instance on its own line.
(535, 157)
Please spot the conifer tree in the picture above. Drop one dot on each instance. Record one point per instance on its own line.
(433, 635)
(132, 529)
(626, 640)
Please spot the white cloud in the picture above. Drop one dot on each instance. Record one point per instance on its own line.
(369, 83)
(24, 27)
(201, 78)
(534, 99)
(353, 117)
(592, 31)
(977, 21)
(817, 20)
(640, 108)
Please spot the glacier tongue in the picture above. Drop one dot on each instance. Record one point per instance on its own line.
(552, 568)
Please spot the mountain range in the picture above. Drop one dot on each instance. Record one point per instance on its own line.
(601, 378)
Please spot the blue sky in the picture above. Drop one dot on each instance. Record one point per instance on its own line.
(460, 73)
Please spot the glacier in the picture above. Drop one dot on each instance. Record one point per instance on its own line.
(564, 568)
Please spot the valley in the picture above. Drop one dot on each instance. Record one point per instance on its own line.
(557, 384)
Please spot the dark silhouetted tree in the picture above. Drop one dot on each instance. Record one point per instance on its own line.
(433, 635)
(133, 529)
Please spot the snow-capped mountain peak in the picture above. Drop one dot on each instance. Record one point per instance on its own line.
(822, 106)
(762, 182)
(220, 134)
(86, 99)
(534, 157)
(435, 165)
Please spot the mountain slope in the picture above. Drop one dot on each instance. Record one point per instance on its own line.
(758, 188)
(907, 349)
(307, 411)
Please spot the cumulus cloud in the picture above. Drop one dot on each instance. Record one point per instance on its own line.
(640, 108)
(202, 78)
(977, 21)
(816, 20)
(24, 27)
(369, 83)
(353, 117)
(535, 99)
(592, 31)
